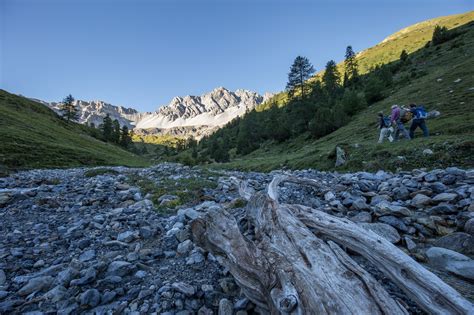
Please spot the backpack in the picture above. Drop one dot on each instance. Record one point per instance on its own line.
(386, 121)
(405, 115)
(421, 113)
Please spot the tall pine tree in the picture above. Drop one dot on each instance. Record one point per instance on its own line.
(351, 74)
(68, 108)
(116, 131)
(300, 71)
(107, 128)
(125, 139)
(331, 79)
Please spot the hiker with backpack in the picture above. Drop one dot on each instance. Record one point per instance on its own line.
(398, 117)
(419, 117)
(385, 128)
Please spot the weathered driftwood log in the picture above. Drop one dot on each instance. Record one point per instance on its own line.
(295, 264)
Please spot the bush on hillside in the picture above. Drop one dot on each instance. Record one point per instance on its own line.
(374, 90)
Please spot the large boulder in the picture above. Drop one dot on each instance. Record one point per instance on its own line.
(451, 261)
(469, 226)
(445, 197)
(420, 201)
(340, 157)
(386, 208)
(458, 241)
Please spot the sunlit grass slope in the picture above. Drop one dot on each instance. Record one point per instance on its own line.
(33, 136)
(440, 77)
(410, 39)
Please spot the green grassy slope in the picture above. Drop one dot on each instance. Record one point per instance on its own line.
(430, 79)
(411, 39)
(33, 136)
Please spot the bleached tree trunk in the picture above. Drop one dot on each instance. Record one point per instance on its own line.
(295, 264)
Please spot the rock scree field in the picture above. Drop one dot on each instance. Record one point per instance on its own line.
(96, 241)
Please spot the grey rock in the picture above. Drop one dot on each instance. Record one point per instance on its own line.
(87, 276)
(56, 294)
(87, 255)
(444, 197)
(360, 204)
(229, 286)
(458, 241)
(411, 246)
(5, 197)
(120, 268)
(3, 294)
(3, 277)
(395, 222)
(420, 201)
(205, 311)
(438, 187)
(384, 230)
(146, 232)
(362, 216)
(184, 247)
(225, 307)
(442, 209)
(184, 288)
(468, 227)
(340, 157)
(329, 196)
(451, 261)
(108, 297)
(196, 257)
(36, 284)
(448, 179)
(401, 193)
(431, 177)
(127, 236)
(385, 208)
(90, 298)
(379, 198)
(64, 277)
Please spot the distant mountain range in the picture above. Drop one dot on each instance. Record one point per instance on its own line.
(183, 116)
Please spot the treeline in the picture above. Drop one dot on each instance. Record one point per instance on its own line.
(316, 106)
(108, 131)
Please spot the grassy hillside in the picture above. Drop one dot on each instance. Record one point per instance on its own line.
(410, 39)
(440, 77)
(33, 136)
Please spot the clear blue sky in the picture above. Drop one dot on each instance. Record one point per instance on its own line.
(142, 53)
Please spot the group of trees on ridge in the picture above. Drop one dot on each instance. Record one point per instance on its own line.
(109, 130)
(317, 105)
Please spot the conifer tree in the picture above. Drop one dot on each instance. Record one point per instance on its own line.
(331, 78)
(351, 74)
(107, 128)
(300, 71)
(116, 131)
(440, 35)
(404, 56)
(125, 139)
(68, 108)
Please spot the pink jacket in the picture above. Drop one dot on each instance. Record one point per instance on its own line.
(395, 114)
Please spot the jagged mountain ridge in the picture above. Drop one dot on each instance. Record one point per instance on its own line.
(205, 112)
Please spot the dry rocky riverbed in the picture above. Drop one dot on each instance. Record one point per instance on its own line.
(118, 241)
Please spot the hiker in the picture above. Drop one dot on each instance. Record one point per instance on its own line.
(419, 116)
(397, 118)
(385, 128)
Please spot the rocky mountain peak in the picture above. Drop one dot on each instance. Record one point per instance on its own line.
(209, 110)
